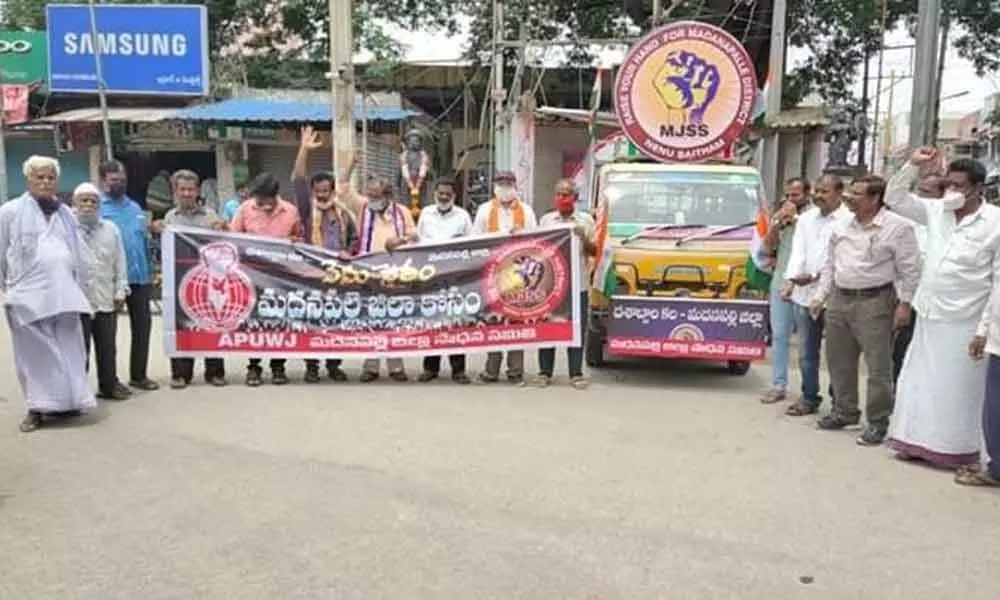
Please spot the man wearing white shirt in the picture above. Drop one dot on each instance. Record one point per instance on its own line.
(439, 223)
(939, 399)
(809, 247)
(930, 186)
(505, 213)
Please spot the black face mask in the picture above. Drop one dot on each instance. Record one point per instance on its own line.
(116, 190)
(48, 205)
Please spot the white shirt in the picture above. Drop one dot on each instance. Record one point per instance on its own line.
(809, 247)
(107, 275)
(435, 226)
(505, 219)
(961, 273)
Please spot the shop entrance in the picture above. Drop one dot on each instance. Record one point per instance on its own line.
(144, 166)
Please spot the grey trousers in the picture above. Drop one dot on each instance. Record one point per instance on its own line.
(515, 363)
(861, 324)
(370, 365)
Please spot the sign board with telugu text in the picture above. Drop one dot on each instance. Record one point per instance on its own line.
(720, 330)
(232, 294)
(157, 49)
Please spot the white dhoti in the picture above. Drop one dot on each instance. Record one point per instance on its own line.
(939, 397)
(51, 363)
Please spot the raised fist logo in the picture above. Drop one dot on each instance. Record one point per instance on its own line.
(687, 84)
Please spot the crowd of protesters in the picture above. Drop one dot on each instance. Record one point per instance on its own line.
(905, 273)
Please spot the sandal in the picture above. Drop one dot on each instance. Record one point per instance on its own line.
(539, 381)
(772, 397)
(975, 476)
(31, 422)
(801, 409)
(368, 377)
(461, 379)
(579, 383)
(399, 376)
(485, 378)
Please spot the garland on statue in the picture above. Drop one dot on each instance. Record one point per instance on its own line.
(415, 183)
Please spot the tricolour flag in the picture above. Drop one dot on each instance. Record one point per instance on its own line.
(604, 272)
(759, 267)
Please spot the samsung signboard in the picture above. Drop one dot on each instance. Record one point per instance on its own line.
(144, 49)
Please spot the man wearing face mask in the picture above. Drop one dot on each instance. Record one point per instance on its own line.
(439, 223)
(188, 212)
(326, 222)
(267, 215)
(107, 287)
(382, 222)
(504, 214)
(939, 398)
(135, 228)
(565, 213)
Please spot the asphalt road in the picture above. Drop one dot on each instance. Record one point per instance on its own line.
(661, 482)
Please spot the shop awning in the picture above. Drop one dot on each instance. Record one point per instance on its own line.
(247, 110)
(128, 115)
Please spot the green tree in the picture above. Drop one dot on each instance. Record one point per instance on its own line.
(837, 33)
(283, 43)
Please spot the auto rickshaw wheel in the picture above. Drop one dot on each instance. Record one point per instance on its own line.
(738, 367)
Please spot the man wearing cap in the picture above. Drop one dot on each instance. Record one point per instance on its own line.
(504, 214)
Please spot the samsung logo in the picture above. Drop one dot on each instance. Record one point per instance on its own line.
(126, 44)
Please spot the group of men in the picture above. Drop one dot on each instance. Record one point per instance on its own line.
(905, 272)
(67, 271)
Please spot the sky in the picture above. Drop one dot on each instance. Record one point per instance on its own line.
(964, 91)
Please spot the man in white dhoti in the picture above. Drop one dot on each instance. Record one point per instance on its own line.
(41, 275)
(939, 397)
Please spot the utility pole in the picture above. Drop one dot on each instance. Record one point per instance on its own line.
(501, 133)
(102, 94)
(776, 76)
(341, 83)
(942, 56)
(922, 115)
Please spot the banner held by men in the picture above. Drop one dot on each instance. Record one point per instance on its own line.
(236, 294)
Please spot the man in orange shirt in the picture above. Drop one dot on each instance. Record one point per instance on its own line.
(383, 225)
(267, 215)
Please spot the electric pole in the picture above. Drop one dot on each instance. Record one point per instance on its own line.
(501, 133)
(341, 83)
(772, 102)
(924, 103)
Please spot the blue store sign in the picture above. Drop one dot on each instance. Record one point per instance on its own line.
(144, 49)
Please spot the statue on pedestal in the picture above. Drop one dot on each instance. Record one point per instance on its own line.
(840, 136)
(414, 165)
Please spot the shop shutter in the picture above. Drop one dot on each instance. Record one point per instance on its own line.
(383, 160)
(279, 161)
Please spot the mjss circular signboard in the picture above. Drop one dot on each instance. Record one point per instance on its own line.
(685, 92)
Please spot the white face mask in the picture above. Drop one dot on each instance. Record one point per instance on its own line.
(444, 206)
(953, 200)
(504, 193)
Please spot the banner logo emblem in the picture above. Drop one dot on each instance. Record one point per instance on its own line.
(217, 295)
(685, 92)
(526, 280)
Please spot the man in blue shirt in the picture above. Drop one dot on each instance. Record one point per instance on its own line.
(134, 227)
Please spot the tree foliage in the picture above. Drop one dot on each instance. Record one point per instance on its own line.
(285, 42)
(836, 33)
(281, 43)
